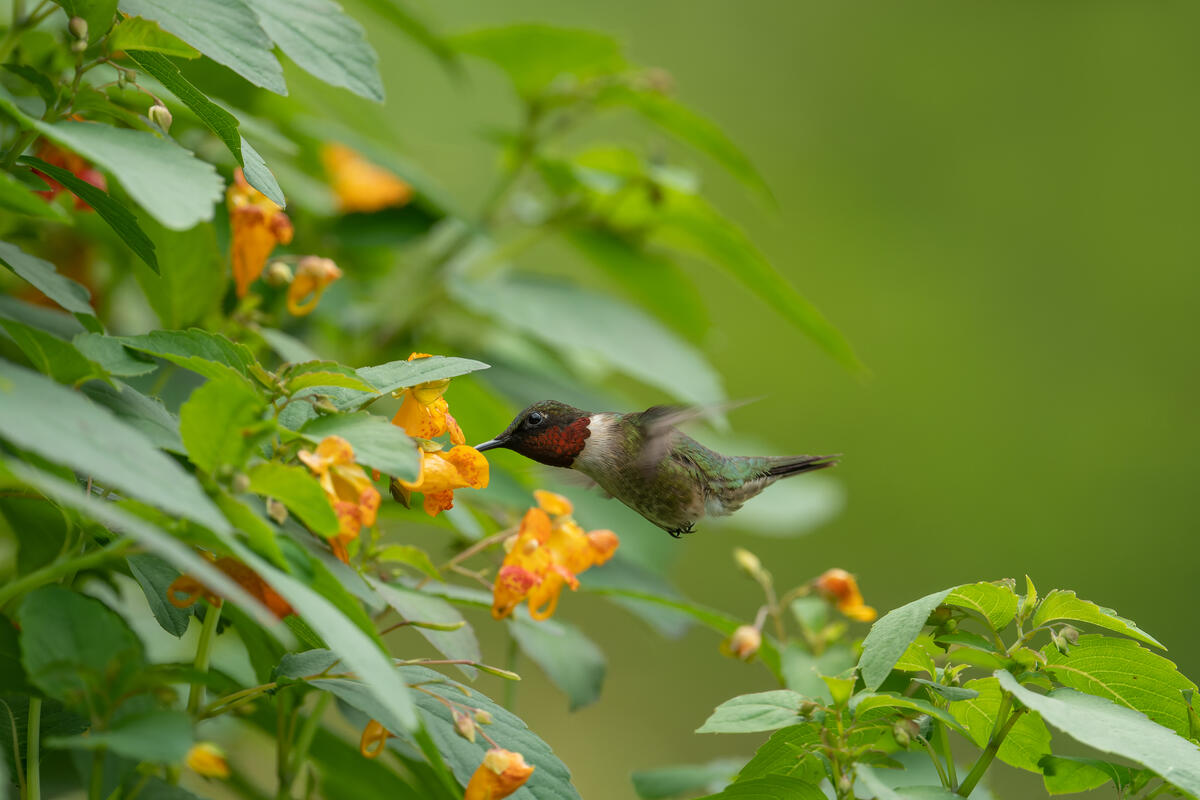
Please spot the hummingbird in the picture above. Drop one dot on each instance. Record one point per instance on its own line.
(644, 461)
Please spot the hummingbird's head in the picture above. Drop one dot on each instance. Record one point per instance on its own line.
(549, 432)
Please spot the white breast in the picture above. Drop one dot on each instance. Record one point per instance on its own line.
(601, 447)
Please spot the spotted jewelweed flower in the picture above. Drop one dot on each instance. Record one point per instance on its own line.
(205, 758)
(546, 555)
(313, 275)
(840, 588)
(77, 165)
(186, 590)
(424, 412)
(360, 185)
(349, 489)
(374, 739)
(443, 472)
(258, 225)
(501, 773)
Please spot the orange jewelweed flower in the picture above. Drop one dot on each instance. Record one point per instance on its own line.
(258, 225)
(349, 489)
(374, 739)
(186, 590)
(360, 185)
(425, 414)
(442, 472)
(77, 165)
(205, 758)
(840, 588)
(313, 275)
(501, 773)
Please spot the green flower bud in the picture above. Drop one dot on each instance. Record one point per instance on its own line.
(160, 115)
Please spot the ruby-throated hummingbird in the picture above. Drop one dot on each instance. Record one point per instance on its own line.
(645, 462)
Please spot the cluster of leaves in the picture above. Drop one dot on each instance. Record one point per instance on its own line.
(978, 662)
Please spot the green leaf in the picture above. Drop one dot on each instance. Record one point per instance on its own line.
(692, 226)
(771, 787)
(45, 278)
(396, 375)
(12, 674)
(171, 184)
(97, 13)
(207, 354)
(948, 692)
(789, 751)
(220, 424)
(761, 711)
(567, 317)
(918, 657)
(410, 555)
(297, 489)
(146, 414)
(416, 606)
(112, 355)
(996, 602)
(159, 736)
(872, 701)
(41, 530)
(261, 535)
(1026, 743)
(802, 670)
(73, 646)
(533, 56)
(287, 347)
(570, 660)
(891, 635)
(1068, 775)
(661, 783)
(155, 576)
(45, 89)
(325, 42)
(224, 30)
(881, 784)
(1063, 604)
(377, 443)
(1109, 728)
(215, 118)
(135, 33)
(123, 221)
(1123, 671)
(66, 428)
(190, 279)
(21, 198)
(51, 355)
(324, 373)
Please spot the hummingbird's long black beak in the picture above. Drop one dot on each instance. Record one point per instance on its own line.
(492, 444)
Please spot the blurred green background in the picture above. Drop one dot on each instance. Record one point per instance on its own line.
(997, 203)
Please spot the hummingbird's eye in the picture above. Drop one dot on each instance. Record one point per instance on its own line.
(535, 419)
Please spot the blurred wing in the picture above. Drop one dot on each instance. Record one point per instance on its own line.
(658, 424)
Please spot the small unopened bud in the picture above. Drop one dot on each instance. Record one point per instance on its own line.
(400, 493)
(78, 27)
(160, 115)
(465, 726)
(807, 708)
(744, 642)
(747, 562)
(530, 547)
(240, 483)
(278, 274)
(323, 404)
(938, 616)
(905, 730)
(483, 717)
(1069, 633)
(79, 45)
(845, 784)
(276, 510)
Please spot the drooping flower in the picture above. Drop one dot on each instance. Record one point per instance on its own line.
(349, 489)
(545, 556)
(424, 413)
(205, 758)
(840, 588)
(313, 275)
(501, 773)
(360, 185)
(258, 225)
(444, 471)
(374, 739)
(186, 590)
(77, 165)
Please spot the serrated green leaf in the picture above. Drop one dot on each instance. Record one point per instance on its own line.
(789, 751)
(377, 443)
(51, 355)
(761, 711)
(570, 660)
(38, 80)
(22, 199)
(396, 375)
(770, 787)
(533, 56)
(112, 355)
(191, 276)
(661, 783)
(155, 576)
(413, 605)
(324, 373)
(324, 41)
(918, 656)
(1068, 775)
(146, 414)
(1123, 671)
(872, 701)
(1111, 728)
(135, 33)
(996, 602)
(160, 736)
(1063, 604)
(45, 278)
(220, 423)
(205, 353)
(891, 635)
(66, 428)
(949, 692)
(297, 489)
(802, 670)
(224, 30)
(1026, 743)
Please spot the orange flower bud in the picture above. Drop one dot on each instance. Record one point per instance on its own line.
(313, 276)
(374, 739)
(744, 642)
(501, 773)
(553, 504)
(205, 758)
(840, 588)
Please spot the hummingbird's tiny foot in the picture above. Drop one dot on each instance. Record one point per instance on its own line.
(689, 528)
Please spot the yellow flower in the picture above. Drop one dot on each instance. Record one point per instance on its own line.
(258, 225)
(442, 472)
(501, 773)
(840, 588)
(186, 590)
(374, 739)
(360, 185)
(353, 496)
(205, 758)
(425, 414)
(313, 274)
(545, 556)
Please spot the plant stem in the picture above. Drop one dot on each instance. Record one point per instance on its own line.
(33, 757)
(283, 733)
(510, 664)
(304, 738)
(53, 571)
(940, 732)
(203, 653)
(993, 747)
(97, 785)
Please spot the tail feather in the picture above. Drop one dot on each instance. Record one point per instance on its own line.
(794, 465)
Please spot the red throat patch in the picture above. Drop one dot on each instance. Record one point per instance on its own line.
(560, 445)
